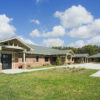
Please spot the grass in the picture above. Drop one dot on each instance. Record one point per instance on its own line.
(50, 85)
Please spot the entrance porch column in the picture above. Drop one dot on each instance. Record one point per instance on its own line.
(0, 63)
(85, 60)
(24, 61)
(82, 59)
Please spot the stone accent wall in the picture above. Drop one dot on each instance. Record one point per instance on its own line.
(68, 60)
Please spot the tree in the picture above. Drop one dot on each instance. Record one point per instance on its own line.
(89, 49)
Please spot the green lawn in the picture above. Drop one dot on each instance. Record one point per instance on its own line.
(50, 85)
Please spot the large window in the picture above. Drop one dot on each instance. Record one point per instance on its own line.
(46, 59)
(37, 58)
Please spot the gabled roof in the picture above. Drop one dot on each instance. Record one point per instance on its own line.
(1, 41)
(81, 55)
(47, 51)
(95, 56)
(39, 49)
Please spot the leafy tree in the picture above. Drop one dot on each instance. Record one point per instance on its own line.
(89, 49)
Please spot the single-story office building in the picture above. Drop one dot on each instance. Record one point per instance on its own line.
(15, 54)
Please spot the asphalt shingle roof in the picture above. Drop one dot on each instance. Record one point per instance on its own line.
(95, 56)
(80, 55)
(42, 50)
(46, 50)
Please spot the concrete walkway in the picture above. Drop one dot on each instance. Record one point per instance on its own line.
(97, 74)
(15, 71)
(87, 66)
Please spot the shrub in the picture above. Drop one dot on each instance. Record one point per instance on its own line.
(69, 63)
(29, 65)
(58, 61)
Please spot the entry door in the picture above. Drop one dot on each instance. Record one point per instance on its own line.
(6, 60)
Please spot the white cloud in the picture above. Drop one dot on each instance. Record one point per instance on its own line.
(77, 44)
(74, 16)
(86, 31)
(53, 42)
(6, 29)
(35, 21)
(28, 41)
(95, 40)
(56, 31)
(35, 33)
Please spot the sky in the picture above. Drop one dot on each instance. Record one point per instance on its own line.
(74, 23)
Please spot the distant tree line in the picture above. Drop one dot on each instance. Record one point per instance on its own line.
(90, 49)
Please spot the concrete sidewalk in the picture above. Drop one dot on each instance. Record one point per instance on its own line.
(87, 66)
(15, 71)
(97, 74)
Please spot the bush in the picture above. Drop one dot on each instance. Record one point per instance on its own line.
(58, 61)
(29, 66)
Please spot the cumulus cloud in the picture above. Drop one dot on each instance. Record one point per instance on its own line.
(74, 16)
(79, 22)
(95, 40)
(35, 33)
(28, 41)
(35, 21)
(6, 29)
(53, 42)
(56, 31)
(86, 31)
(77, 44)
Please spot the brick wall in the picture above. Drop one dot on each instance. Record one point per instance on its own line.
(30, 61)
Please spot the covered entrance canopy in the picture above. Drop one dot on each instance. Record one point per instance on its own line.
(95, 58)
(80, 58)
(8, 49)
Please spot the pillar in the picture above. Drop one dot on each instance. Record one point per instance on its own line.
(85, 60)
(0, 63)
(24, 62)
(82, 59)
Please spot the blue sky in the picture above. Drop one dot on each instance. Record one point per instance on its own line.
(51, 22)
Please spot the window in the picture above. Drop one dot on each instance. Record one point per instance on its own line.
(46, 59)
(37, 58)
